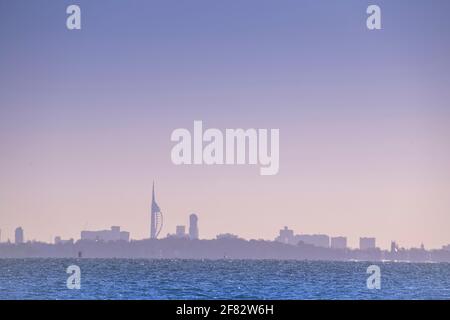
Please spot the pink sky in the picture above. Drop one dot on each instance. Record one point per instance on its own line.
(86, 118)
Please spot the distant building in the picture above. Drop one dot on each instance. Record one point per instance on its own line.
(180, 232)
(367, 243)
(339, 242)
(19, 235)
(394, 247)
(447, 247)
(58, 240)
(286, 236)
(226, 236)
(318, 240)
(106, 235)
(193, 226)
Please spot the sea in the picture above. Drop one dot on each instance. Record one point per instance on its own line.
(131, 279)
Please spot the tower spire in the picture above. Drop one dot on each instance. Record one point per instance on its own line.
(155, 207)
(155, 216)
(153, 192)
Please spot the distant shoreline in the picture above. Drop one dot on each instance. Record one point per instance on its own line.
(219, 260)
(218, 249)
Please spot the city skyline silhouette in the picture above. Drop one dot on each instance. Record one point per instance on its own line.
(286, 235)
(86, 118)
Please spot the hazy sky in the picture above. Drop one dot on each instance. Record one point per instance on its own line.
(364, 117)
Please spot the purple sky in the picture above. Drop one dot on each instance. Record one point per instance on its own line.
(86, 117)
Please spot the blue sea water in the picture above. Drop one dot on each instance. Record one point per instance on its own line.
(220, 279)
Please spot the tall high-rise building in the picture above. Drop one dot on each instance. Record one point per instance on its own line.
(193, 226)
(339, 242)
(19, 235)
(367, 243)
(394, 247)
(286, 236)
(156, 217)
(180, 232)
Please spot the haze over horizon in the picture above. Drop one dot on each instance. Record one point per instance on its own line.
(86, 118)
